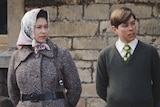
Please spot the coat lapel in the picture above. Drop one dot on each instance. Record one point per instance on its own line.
(22, 55)
(26, 51)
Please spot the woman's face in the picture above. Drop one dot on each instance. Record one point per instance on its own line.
(41, 30)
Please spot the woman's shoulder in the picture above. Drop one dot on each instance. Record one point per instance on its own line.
(60, 50)
(15, 53)
(63, 50)
(21, 54)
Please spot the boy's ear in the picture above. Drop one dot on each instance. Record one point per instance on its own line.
(114, 29)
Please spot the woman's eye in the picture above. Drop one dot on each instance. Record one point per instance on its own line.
(38, 27)
(46, 27)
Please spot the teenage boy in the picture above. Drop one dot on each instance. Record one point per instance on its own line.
(128, 72)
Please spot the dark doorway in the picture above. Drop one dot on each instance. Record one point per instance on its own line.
(3, 17)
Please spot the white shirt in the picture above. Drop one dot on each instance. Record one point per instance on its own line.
(119, 45)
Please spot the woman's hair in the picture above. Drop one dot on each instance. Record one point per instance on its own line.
(42, 14)
(121, 15)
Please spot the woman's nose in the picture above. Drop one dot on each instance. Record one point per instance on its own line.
(44, 29)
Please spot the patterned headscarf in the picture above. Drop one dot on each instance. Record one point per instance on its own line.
(26, 35)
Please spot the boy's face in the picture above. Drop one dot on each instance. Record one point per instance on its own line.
(126, 31)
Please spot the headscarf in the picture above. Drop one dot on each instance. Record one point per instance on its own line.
(26, 35)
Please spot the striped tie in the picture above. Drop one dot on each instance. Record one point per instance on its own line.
(127, 48)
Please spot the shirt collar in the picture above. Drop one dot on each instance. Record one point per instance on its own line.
(119, 45)
(133, 44)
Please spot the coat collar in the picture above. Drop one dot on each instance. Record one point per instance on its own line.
(49, 53)
(27, 50)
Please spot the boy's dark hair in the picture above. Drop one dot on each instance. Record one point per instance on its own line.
(43, 14)
(121, 15)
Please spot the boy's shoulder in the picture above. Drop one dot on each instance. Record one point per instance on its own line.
(145, 45)
(108, 49)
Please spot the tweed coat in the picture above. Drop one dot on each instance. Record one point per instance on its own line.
(29, 72)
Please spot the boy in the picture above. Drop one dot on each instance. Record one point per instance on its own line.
(128, 72)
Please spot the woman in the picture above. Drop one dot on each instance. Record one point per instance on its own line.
(39, 71)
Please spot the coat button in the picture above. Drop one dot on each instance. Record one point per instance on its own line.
(37, 55)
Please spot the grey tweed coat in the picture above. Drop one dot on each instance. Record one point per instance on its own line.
(29, 72)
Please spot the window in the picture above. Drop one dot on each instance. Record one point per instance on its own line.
(3, 17)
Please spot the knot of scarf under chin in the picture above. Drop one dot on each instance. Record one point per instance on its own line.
(39, 46)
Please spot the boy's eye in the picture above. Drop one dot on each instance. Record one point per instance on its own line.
(124, 25)
(133, 23)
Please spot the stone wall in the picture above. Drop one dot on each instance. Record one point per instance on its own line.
(3, 42)
(83, 27)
